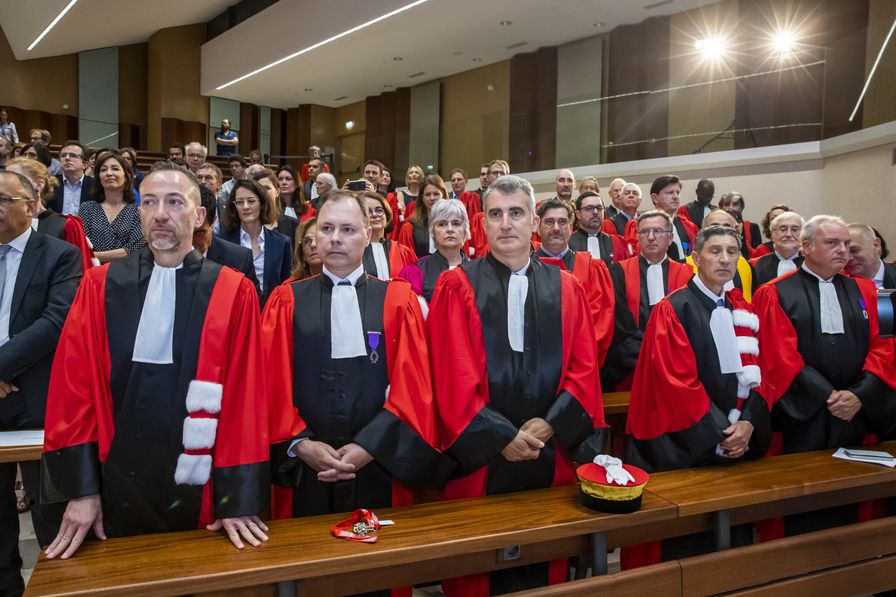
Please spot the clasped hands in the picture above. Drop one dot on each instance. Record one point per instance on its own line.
(85, 513)
(331, 464)
(737, 441)
(529, 441)
(843, 404)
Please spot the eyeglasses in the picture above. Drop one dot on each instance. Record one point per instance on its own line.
(375, 211)
(6, 200)
(590, 209)
(245, 202)
(307, 241)
(497, 173)
(648, 232)
(71, 154)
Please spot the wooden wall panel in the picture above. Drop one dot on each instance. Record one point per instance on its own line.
(182, 132)
(533, 110)
(249, 128)
(388, 123)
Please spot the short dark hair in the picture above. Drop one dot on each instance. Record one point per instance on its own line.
(164, 165)
(703, 183)
(585, 195)
(376, 163)
(662, 182)
(767, 219)
(75, 143)
(43, 154)
(383, 202)
(97, 192)
(554, 203)
(240, 159)
(731, 198)
(707, 233)
(178, 145)
(230, 218)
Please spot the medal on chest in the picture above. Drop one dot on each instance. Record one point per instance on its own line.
(373, 342)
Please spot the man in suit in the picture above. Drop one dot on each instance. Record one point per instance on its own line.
(315, 167)
(39, 276)
(864, 257)
(700, 207)
(74, 186)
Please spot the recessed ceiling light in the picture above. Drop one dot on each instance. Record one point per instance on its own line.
(340, 98)
(456, 53)
(52, 24)
(599, 24)
(505, 23)
(349, 124)
(308, 89)
(398, 59)
(387, 86)
(415, 75)
(477, 59)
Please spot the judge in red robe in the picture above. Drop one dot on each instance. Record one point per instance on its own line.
(829, 373)
(156, 419)
(513, 355)
(347, 389)
(695, 399)
(383, 257)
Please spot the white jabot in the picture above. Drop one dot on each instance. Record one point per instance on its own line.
(677, 240)
(432, 245)
(831, 314)
(706, 210)
(517, 290)
(346, 329)
(155, 331)
(785, 265)
(379, 258)
(656, 290)
(879, 276)
(314, 193)
(593, 246)
(721, 324)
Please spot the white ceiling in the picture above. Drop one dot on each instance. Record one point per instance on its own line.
(92, 24)
(437, 38)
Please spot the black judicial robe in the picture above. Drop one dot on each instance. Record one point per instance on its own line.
(381, 401)
(430, 269)
(765, 268)
(397, 256)
(485, 391)
(115, 427)
(803, 366)
(630, 275)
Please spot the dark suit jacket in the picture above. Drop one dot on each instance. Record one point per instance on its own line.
(56, 202)
(48, 277)
(695, 211)
(277, 258)
(235, 256)
(889, 275)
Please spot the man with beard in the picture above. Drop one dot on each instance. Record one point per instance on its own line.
(590, 237)
(226, 140)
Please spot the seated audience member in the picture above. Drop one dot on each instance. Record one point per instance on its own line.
(139, 339)
(449, 228)
(306, 260)
(865, 257)
(309, 191)
(785, 256)
(245, 222)
(665, 193)
(590, 237)
(554, 227)
(38, 152)
(766, 247)
(696, 398)
(255, 157)
(752, 235)
(285, 224)
(237, 165)
(46, 221)
(196, 156)
(383, 257)
(626, 209)
(700, 207)
(130, 157)
(41, 276)
(829, 373)
(589, 184)
(176, 153)
(414, 233)
(74, 186)
(518, 423)
(44, 138)
(209, 176)
(111, 220)
(349, 336)
(6, 150)
(291, 201)
(743, 273)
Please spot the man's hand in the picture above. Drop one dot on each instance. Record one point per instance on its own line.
(325, 460)
(523, 447)
(80, 515)
(738, 441)
(539, 429)
(843, 404)
(249, 527)
(355, 455)
(6, 389)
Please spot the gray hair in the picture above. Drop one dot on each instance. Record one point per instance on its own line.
(201, 146)
(655, 213)
(445, 209)
(786, 215)
(707, 233)
(326, 177)
(630, 184)
(810, 228)
(508, 185)
(866, 230)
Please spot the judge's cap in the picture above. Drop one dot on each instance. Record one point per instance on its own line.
(597, 493)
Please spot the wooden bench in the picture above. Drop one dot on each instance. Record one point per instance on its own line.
(18, 453)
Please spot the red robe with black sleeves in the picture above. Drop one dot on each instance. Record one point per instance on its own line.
(485, 391)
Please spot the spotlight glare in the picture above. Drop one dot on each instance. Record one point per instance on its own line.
(712, 48)
(784, 42)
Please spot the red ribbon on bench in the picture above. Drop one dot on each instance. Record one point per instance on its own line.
(362, 526)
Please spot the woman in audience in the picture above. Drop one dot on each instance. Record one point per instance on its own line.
(404, 202)
(385, 185)
(7, 128)
(383, 258)
(111, 221)
(450, 229)
(292, 203)
(325, 182)
(414, 233)
(245, 222)
(307, 261)
(36, 151)
(767, 247)
(130, 156)
(46, 221)
(284, 224)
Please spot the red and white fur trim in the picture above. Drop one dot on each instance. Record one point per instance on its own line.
(203, 402)
(746, 325)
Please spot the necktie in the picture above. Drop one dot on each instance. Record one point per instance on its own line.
(594, 247)
(516, 311)
(347, 335)
(655, 287)
(721, 324)
(831, 315)
(4, 249)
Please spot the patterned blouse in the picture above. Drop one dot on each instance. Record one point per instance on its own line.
(121, 233)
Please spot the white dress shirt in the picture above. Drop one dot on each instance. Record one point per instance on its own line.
(71, 196)
(257, 260)
(13, 260)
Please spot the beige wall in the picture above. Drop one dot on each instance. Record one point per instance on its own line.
(474, 119)
(350, 143)
(880, 100)
(41, 84)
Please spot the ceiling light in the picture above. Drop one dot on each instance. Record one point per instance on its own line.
(599, 25)
(398, 59)
(505, 23)
(349, 125)
(871, 72)
(456, 53)
(477, 59)
(713, 48)
(308, 89)
(387, 86)
(322, 43)
(784, 42)
(52, 24)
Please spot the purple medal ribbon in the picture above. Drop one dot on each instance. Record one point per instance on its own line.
(864, 308)
(373, 341)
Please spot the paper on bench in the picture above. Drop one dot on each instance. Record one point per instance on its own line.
(873, 457)
(14, 439)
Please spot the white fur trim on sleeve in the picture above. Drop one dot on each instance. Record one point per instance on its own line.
(193, 469)
(204, 395)
(750, 376)
(745, 319)
(747, 345)
(199, 433)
